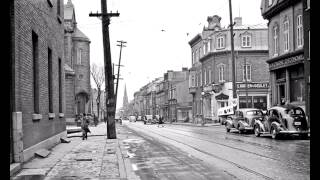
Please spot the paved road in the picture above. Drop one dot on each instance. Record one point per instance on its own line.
(240, 156)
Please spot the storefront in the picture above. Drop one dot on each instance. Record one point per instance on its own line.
(287, 80)
(254, 95)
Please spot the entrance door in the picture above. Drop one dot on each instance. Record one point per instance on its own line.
(281, 93)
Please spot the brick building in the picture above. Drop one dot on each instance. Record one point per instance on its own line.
(37, 77)
(77, 66)
(287, 58)
(211, 72)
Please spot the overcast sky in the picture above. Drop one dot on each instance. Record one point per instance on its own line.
(150, 52)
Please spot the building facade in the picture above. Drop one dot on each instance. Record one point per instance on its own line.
(37, 77)
(210, 77)
(286, 51)
(77, 66)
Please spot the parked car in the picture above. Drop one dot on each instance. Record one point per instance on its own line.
(224, 113)
(132, 119)
(244, 119)
(139, 118)
(283, 120)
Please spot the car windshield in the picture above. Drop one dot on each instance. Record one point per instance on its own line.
(296, 111)
(254, 112)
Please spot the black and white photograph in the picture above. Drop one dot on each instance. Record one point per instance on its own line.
(159, 89)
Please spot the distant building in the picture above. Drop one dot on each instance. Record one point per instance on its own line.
(37, 101)
(211, 72)
(288, 59)
(77, 66)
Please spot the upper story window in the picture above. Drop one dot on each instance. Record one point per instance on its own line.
(205, 76)
(205, 48)
(299, 31)
(193, 57)
(209, 45)
(58, 8)
(199, 50)
(275, 40)
(220, 42)
(286, 34)
(193, 83)
(246, 72)
(270, 2)
(79, 56)
(246, 41)
(308, 4)
(209, 76)
(221, 73)
(200, 78)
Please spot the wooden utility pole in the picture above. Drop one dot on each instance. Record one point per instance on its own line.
(109, 84)
(232, 54)
(121, 45)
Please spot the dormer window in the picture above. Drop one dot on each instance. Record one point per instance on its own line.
(220, 42)
(246, 41)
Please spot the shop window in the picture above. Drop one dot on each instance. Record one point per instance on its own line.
(243, 102)
(297, 84)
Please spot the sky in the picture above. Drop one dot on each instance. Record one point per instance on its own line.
(157, 33)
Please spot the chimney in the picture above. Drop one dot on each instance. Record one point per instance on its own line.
(214, 21)
(238, 21)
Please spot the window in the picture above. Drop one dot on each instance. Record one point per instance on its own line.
(308, 4)
(220, 42)
(80, 76)
(193, 57)
(299, 31)
(210, 76)
(270, 2)
(275, 40)
(200, 78)
(246, 72)
(35, 58)
(60, 84)
(209, 45)
(204, 48)
(205, 76)
(246, 41)
(286, 34)
(58, 8)
(221, 73)
(297, 84)
(50, 86)
(79, 56)
(192, 80)
(199, 50)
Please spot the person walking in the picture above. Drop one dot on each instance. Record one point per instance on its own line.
(85, 127)
(160, 121)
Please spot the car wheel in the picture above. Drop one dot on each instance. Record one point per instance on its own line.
(257, 130)
(274, 133)
(227, 128)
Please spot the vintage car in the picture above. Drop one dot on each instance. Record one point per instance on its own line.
(283, 120)
(139, 118)
(224, 113)
(132, 119)
(243, 119)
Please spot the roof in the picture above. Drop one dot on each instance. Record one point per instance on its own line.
(79, 34)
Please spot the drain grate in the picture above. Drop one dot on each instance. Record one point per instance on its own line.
(84, 159)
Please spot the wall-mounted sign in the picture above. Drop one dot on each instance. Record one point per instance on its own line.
(207, 88)
(253, 85)
(286, 62)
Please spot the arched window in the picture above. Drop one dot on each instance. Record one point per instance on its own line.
(275, 32)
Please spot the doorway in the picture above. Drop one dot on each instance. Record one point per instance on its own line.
(282, 94)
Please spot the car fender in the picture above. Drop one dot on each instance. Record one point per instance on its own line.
(243, 124)
(260, 125)
(228, 121)
(278, 125)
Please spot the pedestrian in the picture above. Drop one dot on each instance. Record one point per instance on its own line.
(161, 121)
(85, 127)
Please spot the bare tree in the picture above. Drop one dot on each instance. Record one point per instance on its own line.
(97, 73)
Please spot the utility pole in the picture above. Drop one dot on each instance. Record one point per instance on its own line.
(121, 45)
(109, 84)
(246, 81)
(232, 54)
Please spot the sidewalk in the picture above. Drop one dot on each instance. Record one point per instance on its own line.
(95, 158)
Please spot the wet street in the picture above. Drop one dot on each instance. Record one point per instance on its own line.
(191, 152)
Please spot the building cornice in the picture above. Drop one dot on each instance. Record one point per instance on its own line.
(195, 39)
(300, 51)
(210, 54)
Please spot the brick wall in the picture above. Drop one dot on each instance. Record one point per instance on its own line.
(39, 17)
(70, 97)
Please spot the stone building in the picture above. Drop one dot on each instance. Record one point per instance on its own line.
(77, 66)
(287, 57)
(211, 72)
(37, 102)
